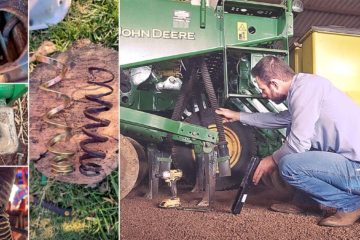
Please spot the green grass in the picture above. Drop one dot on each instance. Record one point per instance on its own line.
(96, 20)
(95, 210)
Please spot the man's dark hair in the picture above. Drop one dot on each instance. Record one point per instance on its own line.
(271, 67)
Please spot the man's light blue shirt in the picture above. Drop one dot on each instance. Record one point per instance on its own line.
(319, 116)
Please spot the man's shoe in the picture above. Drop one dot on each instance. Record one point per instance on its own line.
(286, 208)
(341, 219)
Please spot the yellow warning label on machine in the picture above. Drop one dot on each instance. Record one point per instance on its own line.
(242, 31)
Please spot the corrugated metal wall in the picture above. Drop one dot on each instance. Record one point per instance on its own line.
(344, 13)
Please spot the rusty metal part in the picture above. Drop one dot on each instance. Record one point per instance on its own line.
(4, 47)
(20, 40)
(10, 24)
(61, 163)
(143, 164)
(129, 170)
(13, 40)
(9, 142)
(91, 168)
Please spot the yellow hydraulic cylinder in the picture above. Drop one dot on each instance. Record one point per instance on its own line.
(333, 53)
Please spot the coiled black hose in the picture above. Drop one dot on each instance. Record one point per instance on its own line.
(185, 94)
(224, 166)
(91, 168)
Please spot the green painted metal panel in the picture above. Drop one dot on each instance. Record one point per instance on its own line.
(157, 30)
(262, 29)
(11, 92)
(149, 100)
(19, 90)
(6, 91)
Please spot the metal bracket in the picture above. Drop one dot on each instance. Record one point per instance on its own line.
(210, 177)
(153, 170)
(158, 162)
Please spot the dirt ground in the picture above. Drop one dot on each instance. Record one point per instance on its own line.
(142, 219)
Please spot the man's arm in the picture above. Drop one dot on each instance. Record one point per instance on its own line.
(267, 120)
(261, 120)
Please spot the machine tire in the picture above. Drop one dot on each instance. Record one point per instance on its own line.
(184, 159)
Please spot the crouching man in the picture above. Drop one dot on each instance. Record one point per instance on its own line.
(321, 154)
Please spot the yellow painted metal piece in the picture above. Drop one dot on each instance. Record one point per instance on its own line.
(234, 145)
(170, 203)
(333, 55)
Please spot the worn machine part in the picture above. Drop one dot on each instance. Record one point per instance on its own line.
(13, 40)
(143, 164)
(91, 168)
(61, 163)
(129, 163)
(9, 142)
(223, 159)
(7, 177)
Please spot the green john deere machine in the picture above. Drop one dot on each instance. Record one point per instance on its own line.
(179, 61)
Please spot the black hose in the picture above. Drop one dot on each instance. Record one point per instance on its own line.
(181, 102)
(185, 94)
(224, 165)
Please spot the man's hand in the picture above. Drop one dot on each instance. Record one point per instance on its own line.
(266, 166)
(228, 115)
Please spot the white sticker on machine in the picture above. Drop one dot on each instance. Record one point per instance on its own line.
(242, 31)
(181, 19)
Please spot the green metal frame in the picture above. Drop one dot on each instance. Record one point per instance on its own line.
(151, 127)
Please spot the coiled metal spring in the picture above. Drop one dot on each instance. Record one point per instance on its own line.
(91, 168)
(5, 228)
(7, 177)
(60, 163)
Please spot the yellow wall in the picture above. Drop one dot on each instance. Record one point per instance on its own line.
(334, 56)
